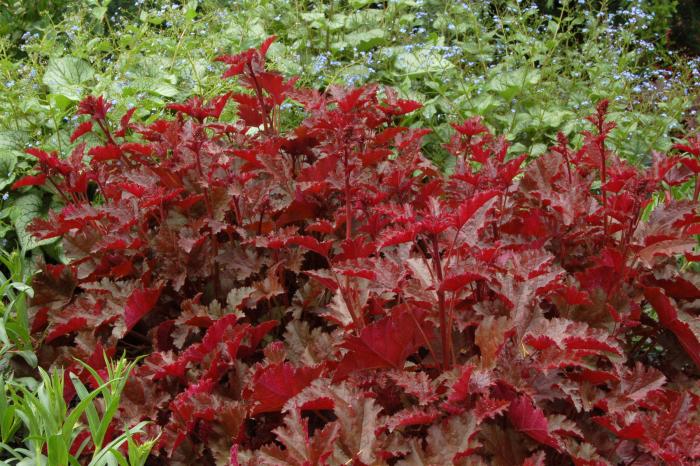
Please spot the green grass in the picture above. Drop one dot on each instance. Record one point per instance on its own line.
(38, 427)
(15, 339)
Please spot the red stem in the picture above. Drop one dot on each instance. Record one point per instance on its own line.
(445, 334)
(267, 123)
(348, 211)
(603, 174)
(60, 193)
(105, 130)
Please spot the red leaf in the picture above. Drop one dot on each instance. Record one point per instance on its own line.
(457, 282)
(275, 85)
(272, 386)
(311, 243)
(574, 297)
(96, 107)
(350, 99)
(301, 449)
(124, 122)
(383, 344)
(324, 278)
(633, 431)
(530, 420)
(73, 324)
(104, 153)
(82, 129)
(199, 110)
(414, 416)
(693, 146)
(488, 408)
(668, 317)
(52, 161)
(416, 384)
(490, 336)
(408, 106)
(394, 237)
(30, 180)
(451, 440)
(135, 148)
(536, 459)
(467, 209)
(140, 303)
(471, 127)
(400, 106)
(459, 391)
(266, 44)
(374, 156)
(248, 109)
(509, 170)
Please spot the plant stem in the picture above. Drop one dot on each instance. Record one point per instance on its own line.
(348, 210)
(445, 334)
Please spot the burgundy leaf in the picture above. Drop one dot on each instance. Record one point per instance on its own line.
(669, 318)
(272, 386)
(140, 303)
(384, 344)
(530, 420)
(82, 129)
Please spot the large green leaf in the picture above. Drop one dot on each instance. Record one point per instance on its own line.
(66, 75)
(421, 61)
(8, 160)
(366, 40)
(9, 155)
(26, 209)
(10, 140)
(164, 88)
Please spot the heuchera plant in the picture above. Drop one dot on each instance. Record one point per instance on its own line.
(323, 295)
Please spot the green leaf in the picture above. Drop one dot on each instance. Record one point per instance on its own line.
(365, 40)
(191, 10)
(538, 149)
(152, 18)
(23, 288)
(314, 19)
(421, 61)
(8, 160)
(164, 89)
(359, 3)
(11, 140)
(99, 12)
(485, 103)
(555, 118)
(29, 357)
(60, 101)
(25, 210)
(90, 410)
(66, 75)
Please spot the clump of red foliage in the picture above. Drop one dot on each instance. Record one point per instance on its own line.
(324, 295)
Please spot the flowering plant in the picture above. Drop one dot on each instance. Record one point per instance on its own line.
(324, 295)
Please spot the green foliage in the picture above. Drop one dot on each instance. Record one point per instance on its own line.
(15, 338)
(38, 427)
(18, 16)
